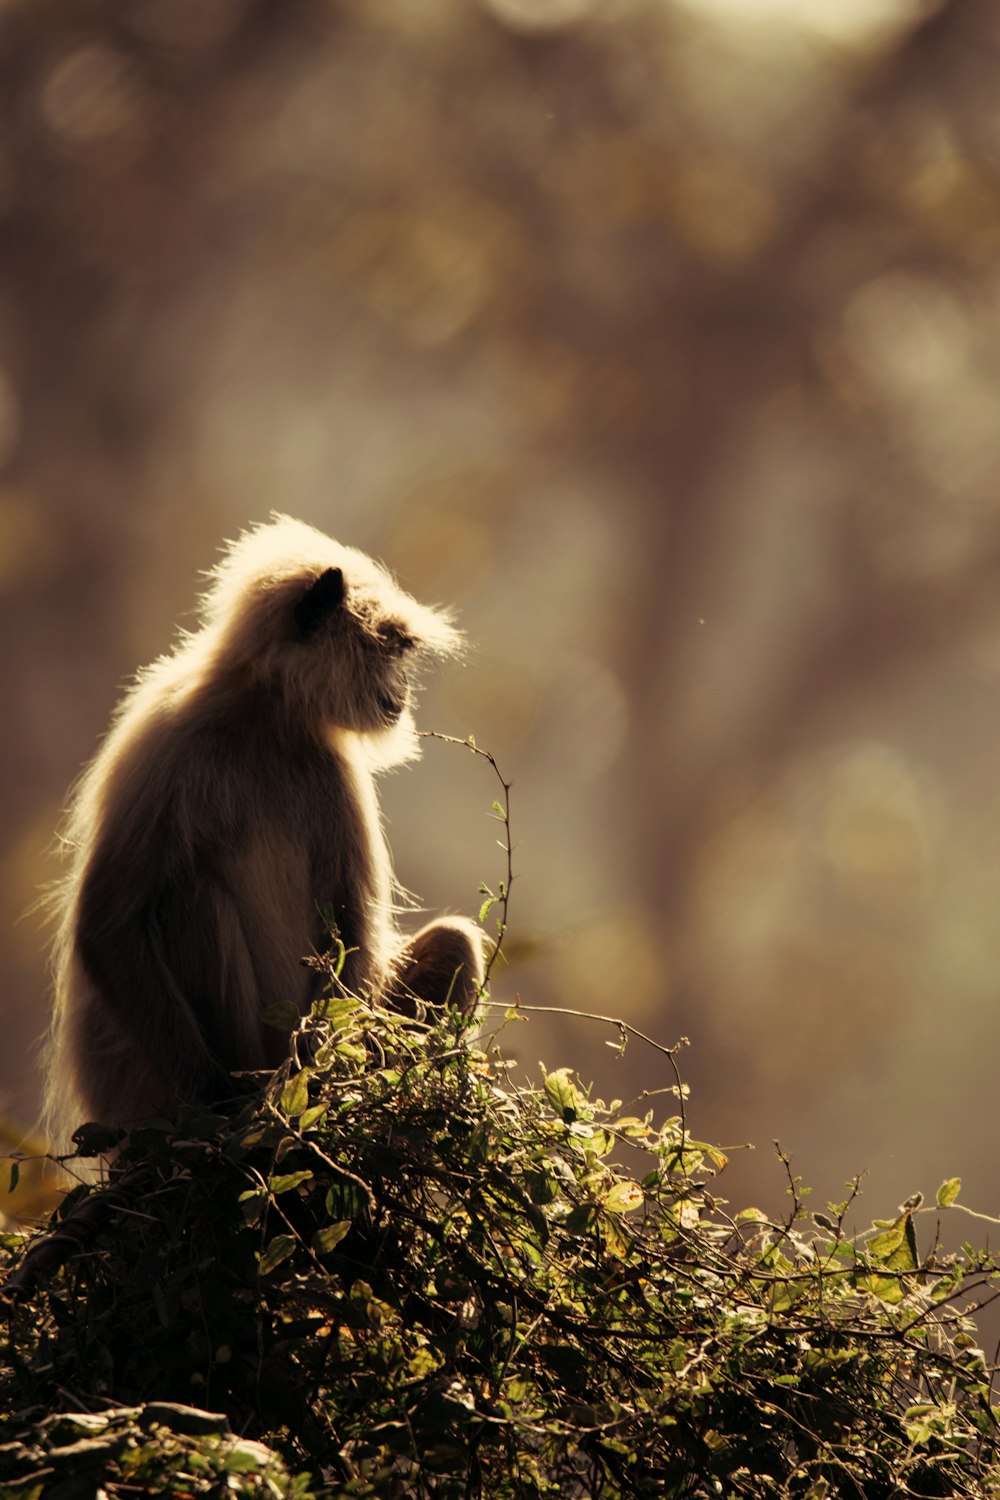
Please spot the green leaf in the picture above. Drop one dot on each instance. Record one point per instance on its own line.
(948, 1192)
(580, 1220)
(499, 810)
(15, 1176)
(784, 1295)
(325, 1240)
(245, 1457)
(340, 956)
(345, 1200)
(623, 1198)
(353, 1052)
(338, 1012)
(905, 1258)
(687, 1213)
(882, 1246)
(614, 1241)
(280, 1248)
(252, 1205)
(295, 1094)
(885, 1245)
(818, 1360)
(422, 1364)
(289, 1180)
(311, 1115)
(895, 1247)
(887, 1289)
(484, 910)
(563, 1093)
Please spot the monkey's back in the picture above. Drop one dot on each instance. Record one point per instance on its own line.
(217, 845)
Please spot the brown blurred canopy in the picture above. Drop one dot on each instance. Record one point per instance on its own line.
(663, 340)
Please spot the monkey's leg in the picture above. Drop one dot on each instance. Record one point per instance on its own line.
(442, 964)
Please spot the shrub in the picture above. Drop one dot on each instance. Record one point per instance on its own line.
(409, 1276)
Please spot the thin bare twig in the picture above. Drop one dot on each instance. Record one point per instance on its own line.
(626, 1029)
(503, 816)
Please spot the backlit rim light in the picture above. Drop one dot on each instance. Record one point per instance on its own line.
(849, 21)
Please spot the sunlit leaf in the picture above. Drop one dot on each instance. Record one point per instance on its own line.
(285, 1183)
(623, 1198)
(295, 1094)
(279, 1250)
(311, 1116)
(563, 1093)
(325, 1240)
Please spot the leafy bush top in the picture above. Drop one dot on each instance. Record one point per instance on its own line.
(412, 1277)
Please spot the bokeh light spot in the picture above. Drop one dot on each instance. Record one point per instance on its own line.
(10, 417)
(846, 21)
(29, 552)
(187, 24)
(749, 876)
(908, 332)
(542, 15)
(878, 819)
(428, 273)
(442, 540)
(615, 957)
(719, 210)
(91, 95)
(500, 697)
(589, 703)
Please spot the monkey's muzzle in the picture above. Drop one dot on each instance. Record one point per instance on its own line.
(392, 701)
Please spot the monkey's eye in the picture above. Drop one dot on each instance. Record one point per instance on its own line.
(395, 638)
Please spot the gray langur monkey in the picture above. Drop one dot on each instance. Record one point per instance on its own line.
(229, 812)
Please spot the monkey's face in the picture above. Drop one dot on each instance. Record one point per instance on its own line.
(363, 639)
(326, 629)
(394, 654)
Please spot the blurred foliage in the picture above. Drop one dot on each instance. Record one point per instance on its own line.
(408, 1276)
(31, 1192)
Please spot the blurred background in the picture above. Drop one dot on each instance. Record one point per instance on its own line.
(663, 340)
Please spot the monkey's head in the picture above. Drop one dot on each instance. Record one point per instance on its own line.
(324, 628)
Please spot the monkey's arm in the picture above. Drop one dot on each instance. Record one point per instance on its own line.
(125, 938)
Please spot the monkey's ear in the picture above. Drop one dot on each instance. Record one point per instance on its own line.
(319, 600)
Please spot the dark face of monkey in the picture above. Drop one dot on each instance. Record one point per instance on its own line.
(363, 655)
(325, 630)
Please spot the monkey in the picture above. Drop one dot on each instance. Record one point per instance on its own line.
(229, 827)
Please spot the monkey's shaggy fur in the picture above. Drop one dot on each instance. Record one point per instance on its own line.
(229, 826)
